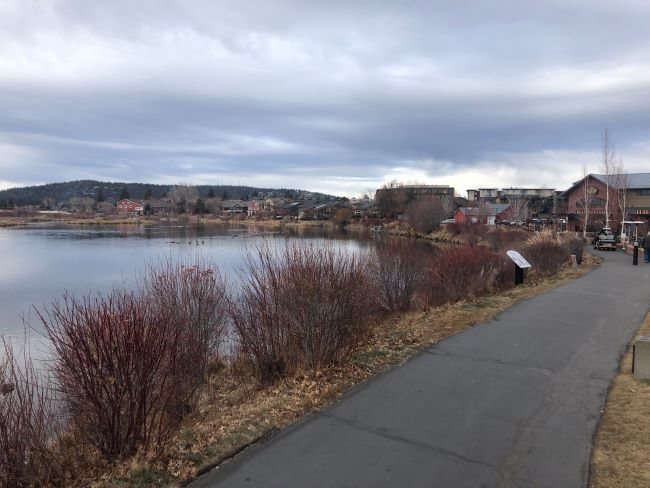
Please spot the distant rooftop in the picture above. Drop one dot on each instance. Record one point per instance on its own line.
(634, 180)
(400, 185)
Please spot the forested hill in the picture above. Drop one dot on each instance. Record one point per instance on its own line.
(112, 191)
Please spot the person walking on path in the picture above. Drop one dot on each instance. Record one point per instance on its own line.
(645, 243)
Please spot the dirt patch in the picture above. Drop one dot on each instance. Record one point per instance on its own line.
(621, 455)
(235, 411)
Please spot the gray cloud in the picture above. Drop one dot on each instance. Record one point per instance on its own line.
(335, 96)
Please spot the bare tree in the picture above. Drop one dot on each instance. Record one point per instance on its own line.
(519, 209)
(185, 196)
(608, 168)
(586, 199)
(184, 193)
(621, 183)
(448, 205)
(425, 214)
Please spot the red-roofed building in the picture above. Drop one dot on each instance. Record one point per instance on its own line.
(129, 207)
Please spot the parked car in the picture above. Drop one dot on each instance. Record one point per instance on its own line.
(605, 239)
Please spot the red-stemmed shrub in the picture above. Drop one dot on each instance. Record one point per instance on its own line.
(300, 307)
(472, 233)
(193, 297)
(29, 423)
(464, 272)
(128, 365)
(397, 271)
(504, 239)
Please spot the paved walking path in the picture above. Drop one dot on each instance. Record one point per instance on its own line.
(513, 402)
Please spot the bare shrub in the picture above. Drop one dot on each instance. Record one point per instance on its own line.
(302, 307)
(452, 229)
(29, 424)
(501, 239)
(472, 232)
(425, 214)
(546, 252)
(464, 272)
(575, 246)
(193, 298)
(124, 363)
(397, 271)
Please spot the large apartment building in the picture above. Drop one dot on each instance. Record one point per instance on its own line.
(392, 200)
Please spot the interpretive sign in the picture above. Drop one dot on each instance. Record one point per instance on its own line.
(518, 259)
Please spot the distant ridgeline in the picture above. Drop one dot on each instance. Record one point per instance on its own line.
(56, 193)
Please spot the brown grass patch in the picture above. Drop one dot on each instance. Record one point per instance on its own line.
(621, 456)
(234, 411)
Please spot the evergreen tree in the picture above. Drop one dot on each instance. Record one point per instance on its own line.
(148, 194)
(124, 193)
(10, 203)
(199, 207)
(211, 193)
(99, 196)
(224, 195)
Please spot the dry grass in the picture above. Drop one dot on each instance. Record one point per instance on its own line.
(235, 411)
(11, 221)
(621, 455)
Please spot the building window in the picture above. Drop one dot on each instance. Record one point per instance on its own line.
(594, 202)
(643, 192)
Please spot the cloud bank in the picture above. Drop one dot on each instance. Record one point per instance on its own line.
(332, 96)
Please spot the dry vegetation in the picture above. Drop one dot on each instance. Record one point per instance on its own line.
(621, 455)
(152, 400)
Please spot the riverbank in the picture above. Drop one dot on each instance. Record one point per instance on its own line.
(73, 219)
(235, 411)
(443, 235)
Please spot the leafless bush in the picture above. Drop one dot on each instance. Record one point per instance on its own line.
(397, 272)
(464, 272)
(546, 252)
(29, 424)
(453, 229)
(425, 214)
(193, 298)
(500, 239)
(472, 232)
(122, 363)
(575, 246)
(302, 307)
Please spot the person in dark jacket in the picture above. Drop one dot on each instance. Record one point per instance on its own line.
(645, 244)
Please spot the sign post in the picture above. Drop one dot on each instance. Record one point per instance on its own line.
(635, 254)
(520, 265)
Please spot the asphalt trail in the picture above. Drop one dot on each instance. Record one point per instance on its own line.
(513, 402)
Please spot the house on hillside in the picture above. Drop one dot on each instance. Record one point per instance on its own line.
(363, 208)
(320, 211)
(163, 209)
(253, 207)
(233, 207)
(288, 209)
(130, 207)
(268, 206)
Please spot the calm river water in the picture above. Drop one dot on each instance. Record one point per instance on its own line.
(41, 262)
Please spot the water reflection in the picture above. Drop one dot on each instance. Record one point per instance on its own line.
(41, 262)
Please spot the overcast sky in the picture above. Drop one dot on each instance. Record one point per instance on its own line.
(335, 96)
